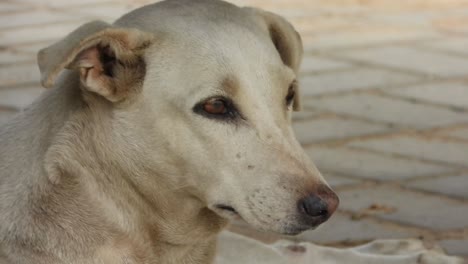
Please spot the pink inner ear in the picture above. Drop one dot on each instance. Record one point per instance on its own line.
(92, 73)
(89, 58)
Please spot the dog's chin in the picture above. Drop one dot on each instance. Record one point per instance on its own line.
(288, 229)
(284, 229)
(295, 230)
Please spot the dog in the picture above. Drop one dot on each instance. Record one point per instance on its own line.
(157, 130)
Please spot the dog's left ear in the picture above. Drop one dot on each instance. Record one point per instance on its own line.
(287, 41)
(108, 59)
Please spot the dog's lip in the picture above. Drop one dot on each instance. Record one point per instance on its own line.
(228, 208)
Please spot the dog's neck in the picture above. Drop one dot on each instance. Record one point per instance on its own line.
(133, 197)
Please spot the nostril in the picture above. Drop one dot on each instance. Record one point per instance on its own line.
(313, 206)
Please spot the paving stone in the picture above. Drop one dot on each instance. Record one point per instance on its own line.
(456, 185)
(34, 17)
(33, 48)
(292, 13)
(5, 116)
(318, 24)
(461, 133)
(364, 35)
(383, 109)
(367, 165)
(453, 94)
(412, 208)
(316, 64)
(110, 11)
(413, 59)
(335, 180)
(60, 3)
(19, 74)
(450, 44)
(9, 56)
(36, 34)
(455, 25)
(424, 148)
(455, 247)
(333, 128)
(19, 98)
(6, 8)
(341, 228)
(360, 78)
(418, 18)
(305, 114)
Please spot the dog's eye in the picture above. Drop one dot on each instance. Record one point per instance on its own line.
(215, 106)
(218, 107)
(291, 94)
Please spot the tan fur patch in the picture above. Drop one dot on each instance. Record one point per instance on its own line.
(230, 85)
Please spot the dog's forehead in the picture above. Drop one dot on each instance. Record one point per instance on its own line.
(187, 15)
(210, 47)
(203, 25)
(219, 57)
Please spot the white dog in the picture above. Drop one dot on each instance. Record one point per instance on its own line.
(160, 128)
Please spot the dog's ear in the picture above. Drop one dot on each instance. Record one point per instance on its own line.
(108, 59)
(287, 41)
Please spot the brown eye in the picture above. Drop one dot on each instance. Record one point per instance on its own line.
(218, 107)
(215, 106)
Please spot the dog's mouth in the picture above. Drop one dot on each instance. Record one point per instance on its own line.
(227, 208)
(227, 211)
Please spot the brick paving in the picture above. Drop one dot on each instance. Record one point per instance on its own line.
(385, 85)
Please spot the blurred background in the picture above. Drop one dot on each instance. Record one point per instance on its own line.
(385, 96)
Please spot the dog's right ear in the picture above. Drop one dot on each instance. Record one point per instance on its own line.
(109, 59)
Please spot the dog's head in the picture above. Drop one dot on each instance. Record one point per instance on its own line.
(214, 86)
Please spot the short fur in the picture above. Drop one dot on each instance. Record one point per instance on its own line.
(111, 165)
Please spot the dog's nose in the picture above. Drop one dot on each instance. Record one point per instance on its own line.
(319, 205)
(313, 206)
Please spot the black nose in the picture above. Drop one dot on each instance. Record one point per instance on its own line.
(313, 206)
